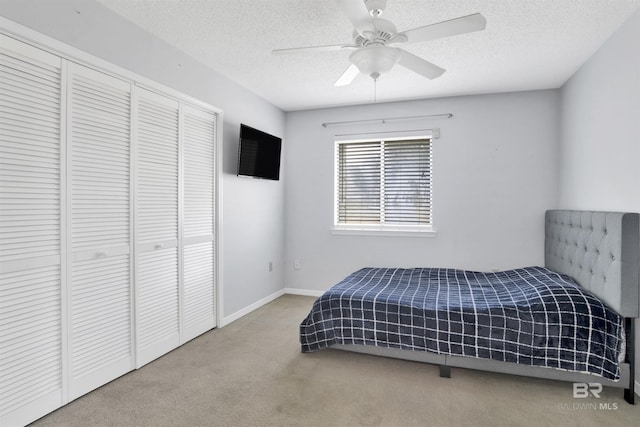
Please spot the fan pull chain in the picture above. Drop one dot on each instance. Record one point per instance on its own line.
(375, 91)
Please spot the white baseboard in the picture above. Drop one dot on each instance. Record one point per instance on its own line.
(266, 300)
(256, 305)
(304, 292)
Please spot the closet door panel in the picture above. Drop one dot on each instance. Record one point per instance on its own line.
(156, 205)
(101, 320)
(158, 322)
(199, 291)
(199, 133)
(31, 274)
(100, 315)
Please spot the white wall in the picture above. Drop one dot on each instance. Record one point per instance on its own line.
(495, 173)
(600, 149)
(252, 229)
(600, 143)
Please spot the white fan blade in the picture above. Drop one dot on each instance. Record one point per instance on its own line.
(419, 65)
(348, 76)
(358, 14)
(462, 25)
(312, 49)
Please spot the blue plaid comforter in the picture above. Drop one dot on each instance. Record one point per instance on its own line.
(531, 316)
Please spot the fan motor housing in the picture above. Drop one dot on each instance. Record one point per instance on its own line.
(385, 32)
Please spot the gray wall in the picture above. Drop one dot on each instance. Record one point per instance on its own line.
(495, 173)
(600, 133)
(253, 210)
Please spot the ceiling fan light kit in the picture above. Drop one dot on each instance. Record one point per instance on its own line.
(374, 41)
(375, 60)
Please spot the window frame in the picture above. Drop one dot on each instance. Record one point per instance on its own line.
(382, 229)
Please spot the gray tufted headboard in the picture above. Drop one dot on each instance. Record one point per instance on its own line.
(601, 250)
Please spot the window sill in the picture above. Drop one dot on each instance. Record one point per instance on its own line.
(384, 231)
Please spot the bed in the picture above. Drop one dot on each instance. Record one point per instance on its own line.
(571, 319)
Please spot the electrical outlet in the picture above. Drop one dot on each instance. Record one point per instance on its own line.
(296, 264)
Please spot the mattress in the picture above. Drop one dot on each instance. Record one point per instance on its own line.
(531, 316)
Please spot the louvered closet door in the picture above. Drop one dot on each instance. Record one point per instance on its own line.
(100, 311)
(30, 232)
(156, 206)
(198, 143)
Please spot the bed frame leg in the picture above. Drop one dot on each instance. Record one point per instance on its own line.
(445, 371)
(629, 393)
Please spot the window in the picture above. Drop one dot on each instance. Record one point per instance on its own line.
(383, 185)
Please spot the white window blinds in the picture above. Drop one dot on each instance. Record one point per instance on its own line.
(382, 183)
(359, 183)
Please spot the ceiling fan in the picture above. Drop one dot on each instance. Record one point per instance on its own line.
(375, 38)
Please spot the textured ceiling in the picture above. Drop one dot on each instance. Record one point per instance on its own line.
(527, 45)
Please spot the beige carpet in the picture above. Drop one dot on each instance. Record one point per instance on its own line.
(251, 373)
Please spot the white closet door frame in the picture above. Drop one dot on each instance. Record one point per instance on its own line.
(50, 48)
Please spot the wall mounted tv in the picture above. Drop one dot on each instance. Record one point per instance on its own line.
(258, 154)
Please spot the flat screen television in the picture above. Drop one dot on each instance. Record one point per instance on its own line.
(258, 154)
